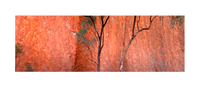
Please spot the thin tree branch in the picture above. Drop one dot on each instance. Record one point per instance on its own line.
(102, 30)
(95, 34)
(133, 25)
(92, 60)
(103, 41)
(150, 16)
(90, 52)
(106, 21)
(103, 24)
(94, 26)
(149, 25)
(102, 20)
(121, 62)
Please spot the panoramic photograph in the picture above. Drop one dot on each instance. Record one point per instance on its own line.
(100, 43)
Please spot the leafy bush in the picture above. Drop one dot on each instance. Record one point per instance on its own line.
(81, 34)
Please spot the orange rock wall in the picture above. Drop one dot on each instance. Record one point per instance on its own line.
(50, 44)
(159, 49)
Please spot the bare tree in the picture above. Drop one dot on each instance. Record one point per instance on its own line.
(133, 36)
(100, 38)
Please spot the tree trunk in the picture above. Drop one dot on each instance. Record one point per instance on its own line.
(99, 51)
(121, 63)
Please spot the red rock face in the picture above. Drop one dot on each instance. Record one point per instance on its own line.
(50, 44)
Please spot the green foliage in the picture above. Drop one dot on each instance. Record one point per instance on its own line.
(89, 21)
(179, 19)
(173, 20)
(18, 49)
(28, 67)
(81, 34)
(82, 31)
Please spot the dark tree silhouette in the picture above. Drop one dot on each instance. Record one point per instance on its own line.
(99, 37)
(133, 36)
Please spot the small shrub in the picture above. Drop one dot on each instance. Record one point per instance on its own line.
(179, 19)
(81, 34)
(18, 49)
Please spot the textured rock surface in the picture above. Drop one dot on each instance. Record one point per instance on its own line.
(50, 44)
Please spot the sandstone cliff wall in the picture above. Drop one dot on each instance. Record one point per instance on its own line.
(50, 44)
